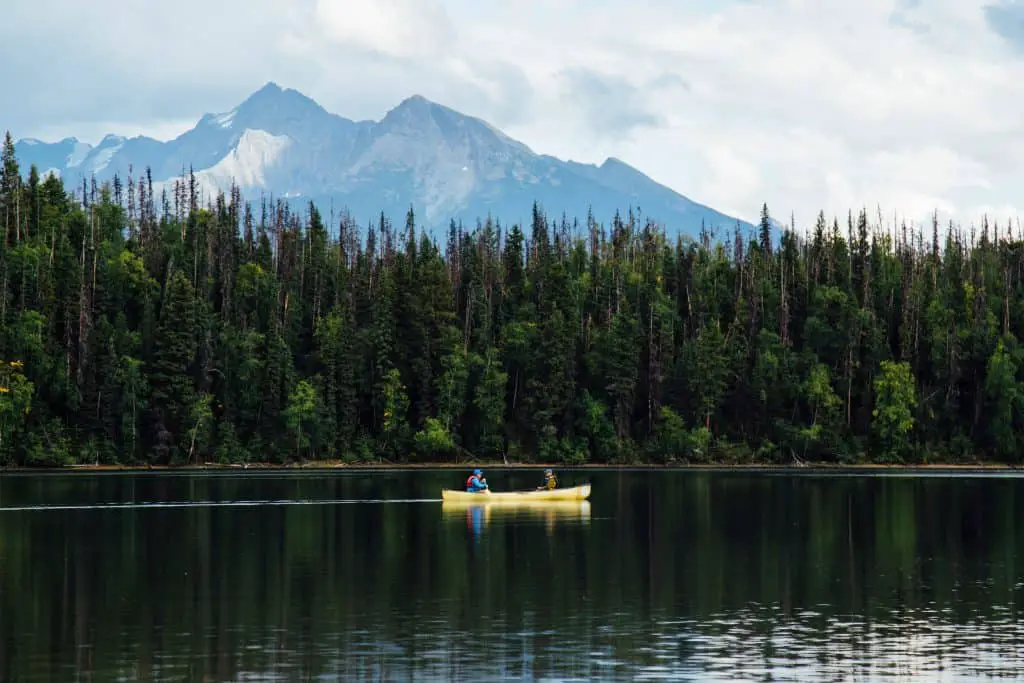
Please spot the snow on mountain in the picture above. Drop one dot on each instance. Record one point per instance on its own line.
(248, 162)
(60, 156)
(224, 120)
(99, 158)
(445, 164)
(79, 151)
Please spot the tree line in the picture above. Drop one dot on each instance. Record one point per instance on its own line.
(139, 326)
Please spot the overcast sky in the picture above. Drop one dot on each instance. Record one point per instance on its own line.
(806, 104)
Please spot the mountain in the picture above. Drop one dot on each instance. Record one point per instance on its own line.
(445, 164)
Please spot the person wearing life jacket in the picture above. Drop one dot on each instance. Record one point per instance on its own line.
(549, 481)
(476, 482)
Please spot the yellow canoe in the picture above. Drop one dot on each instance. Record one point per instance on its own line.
(517, 497)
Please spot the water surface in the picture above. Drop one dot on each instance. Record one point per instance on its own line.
(366, 576)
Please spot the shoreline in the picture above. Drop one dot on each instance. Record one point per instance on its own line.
(323, 465)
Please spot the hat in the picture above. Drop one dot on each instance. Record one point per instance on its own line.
(478, 472)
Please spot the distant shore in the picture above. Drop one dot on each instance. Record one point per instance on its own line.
(330, 465)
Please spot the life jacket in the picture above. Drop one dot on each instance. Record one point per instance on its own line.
(469, 481)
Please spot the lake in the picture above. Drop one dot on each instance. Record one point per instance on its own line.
(679, 575)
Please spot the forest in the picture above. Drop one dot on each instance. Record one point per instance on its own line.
(148, 326)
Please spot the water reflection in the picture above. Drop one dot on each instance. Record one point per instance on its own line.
(478, 516)
(677, 576)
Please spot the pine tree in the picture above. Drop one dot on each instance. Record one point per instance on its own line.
(176, 327)
(171, 370)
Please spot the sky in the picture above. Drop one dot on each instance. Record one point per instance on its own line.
(901, 107)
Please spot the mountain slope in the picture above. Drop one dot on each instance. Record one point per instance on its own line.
(447, 165)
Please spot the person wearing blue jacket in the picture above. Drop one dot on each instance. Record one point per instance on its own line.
(476, 482)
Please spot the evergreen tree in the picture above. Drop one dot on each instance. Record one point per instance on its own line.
(171, 370)
(144, 327)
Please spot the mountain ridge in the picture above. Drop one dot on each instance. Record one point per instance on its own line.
(447, 165)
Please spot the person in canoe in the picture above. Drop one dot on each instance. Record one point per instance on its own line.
(549, 481)
(476, 482)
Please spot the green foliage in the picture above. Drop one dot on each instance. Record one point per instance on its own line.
(394, 427)
(597, 429)
(50, 446)
(453, 385)
(824, 404)
(675, 442)
(235, 333)
(200, 418)
(434, 439)
(15, 405)
(301, 414)
(489, 404)
(1005, 399)
(171, 370)
(894, 411)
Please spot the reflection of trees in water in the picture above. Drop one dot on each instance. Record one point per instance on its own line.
(480, 515)
(700, 571)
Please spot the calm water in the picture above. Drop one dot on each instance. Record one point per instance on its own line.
(365, 576)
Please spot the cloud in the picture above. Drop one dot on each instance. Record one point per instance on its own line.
(903, 16)
(70, 64)
(807, 106)
(404, 29)
(611, 105)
